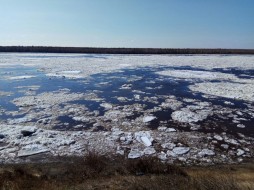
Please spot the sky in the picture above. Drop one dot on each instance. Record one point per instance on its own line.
(128, 23)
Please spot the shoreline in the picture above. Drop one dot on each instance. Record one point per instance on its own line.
(104, 172)
(144, 51)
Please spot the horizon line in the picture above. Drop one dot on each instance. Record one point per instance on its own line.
(101, 47)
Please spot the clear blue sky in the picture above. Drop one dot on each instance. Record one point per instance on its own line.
(128, 23)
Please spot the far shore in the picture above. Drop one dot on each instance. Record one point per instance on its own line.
(101, 50)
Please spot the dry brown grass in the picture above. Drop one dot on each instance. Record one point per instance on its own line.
(213, 181)
(100, 172)
(241, 176)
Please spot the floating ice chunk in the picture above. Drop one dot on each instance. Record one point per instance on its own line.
(239, 113)
(187, 116)
(32, 150)
(5, 93)
(240, 152)
(82, 119)
(106, 106)
(225, 146)
(168, 145)
(181, 150)
(28, 130)
(162, 129)
(232, 141)
(134, 153)
(117, 131)
(149, 151)
(218, 138)
(21, 77)
(171, 104)
(171, 153)
(114, 115)
(67, 74)
(242, 91)
(194, 127)
(228, 103)
(189, 74)
(121, 99)
(169, 130)
(126, 86)
(239, 159)
(147, 119)
(137, 96)
(162, 156)
(19, 120)
(241, 126)
(70, 72)
(44, 100)
(120, 152)
(146, 141)
(235, 121)
(206, 152)
(144, 137)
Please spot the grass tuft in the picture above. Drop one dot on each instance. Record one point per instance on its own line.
(153, 165)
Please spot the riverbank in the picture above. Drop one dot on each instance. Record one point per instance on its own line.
(95, 171)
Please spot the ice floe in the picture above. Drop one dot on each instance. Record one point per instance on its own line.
(21, 77)
(187, 116)
(181, 150)
(226, 89)
(202, 75)
(148, 118)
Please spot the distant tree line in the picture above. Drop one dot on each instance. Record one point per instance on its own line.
(49, 49)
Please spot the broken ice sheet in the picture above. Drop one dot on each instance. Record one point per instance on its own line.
(135, 94)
